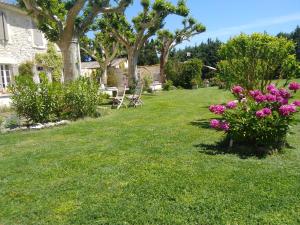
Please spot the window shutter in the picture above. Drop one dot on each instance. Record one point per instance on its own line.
(3, 27)
(38, 38)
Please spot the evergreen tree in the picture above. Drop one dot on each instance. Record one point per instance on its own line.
(148, 54)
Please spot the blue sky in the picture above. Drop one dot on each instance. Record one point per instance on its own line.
(226, 18)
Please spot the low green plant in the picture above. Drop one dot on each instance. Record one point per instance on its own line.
(167, 86)
(25, 69)
(147, 81)
(44, 102)
(12, 122)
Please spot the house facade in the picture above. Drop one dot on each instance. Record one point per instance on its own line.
(20, 40)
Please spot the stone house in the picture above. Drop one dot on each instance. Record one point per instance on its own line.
(20, 40)
(87, 68)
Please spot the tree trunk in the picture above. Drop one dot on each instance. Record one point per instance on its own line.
(132, 67)
(163, 61)
(71, 59)
(104, 76)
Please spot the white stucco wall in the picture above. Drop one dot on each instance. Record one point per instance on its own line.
(20, 46)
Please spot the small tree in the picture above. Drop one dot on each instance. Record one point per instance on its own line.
(144, 25)
(103, 48)
(254, 60)
(51, 61)
(185, 74)
(64, 22)
(167, 40)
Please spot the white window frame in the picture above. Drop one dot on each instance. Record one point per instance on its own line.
(5, 72)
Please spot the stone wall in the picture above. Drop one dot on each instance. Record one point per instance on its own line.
(20, 46)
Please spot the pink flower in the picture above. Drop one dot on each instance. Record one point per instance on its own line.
(286, 110)
(294, 86)
(212, 108)
(255, 93)
(260, 114)
(267, 111)
(274, 92)
(217, 109)
(231, 105)
(282, 101)
(237, 90)
(271, 87)
(296, 103)
(270, 98)
(215, 124)
(284, 93)
(260, 98)
(263, 113)
(224, 126)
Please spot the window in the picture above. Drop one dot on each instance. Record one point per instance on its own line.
(3, 27)
(37, 36)
(5, 76)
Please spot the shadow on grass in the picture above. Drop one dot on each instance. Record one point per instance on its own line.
(202, 123)
(220, 148)
(243, 151)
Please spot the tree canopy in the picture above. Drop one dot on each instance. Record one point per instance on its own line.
(254, 60)
(167, 40)
(134, 35)
(65, 21)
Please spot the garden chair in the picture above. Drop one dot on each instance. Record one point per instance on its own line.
(135, 99)
(118, 101)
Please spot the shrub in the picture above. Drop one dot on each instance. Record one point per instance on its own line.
(254, 60)
(256, 118)
(173, 70)
(25, 69)
(168, 85)
(80, 99)
(51, 61)
(44, 102)
(112, 78)
(190, 73)
(185, 74)
(147, 81)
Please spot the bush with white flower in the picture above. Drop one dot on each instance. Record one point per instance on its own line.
(256, 118)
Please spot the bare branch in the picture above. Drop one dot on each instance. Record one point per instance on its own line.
(96, 9)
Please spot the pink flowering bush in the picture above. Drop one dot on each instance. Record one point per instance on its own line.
(258, 118)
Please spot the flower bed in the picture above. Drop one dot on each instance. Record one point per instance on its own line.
(256, 118)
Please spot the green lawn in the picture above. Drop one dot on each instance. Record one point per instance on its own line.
(154, 165)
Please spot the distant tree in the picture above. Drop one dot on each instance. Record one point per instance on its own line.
(148, 54)
(255, 60)
(167, 40)
(103, 48)
(206, 51)
(294, 36)
(64, 22)
(134, 35)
